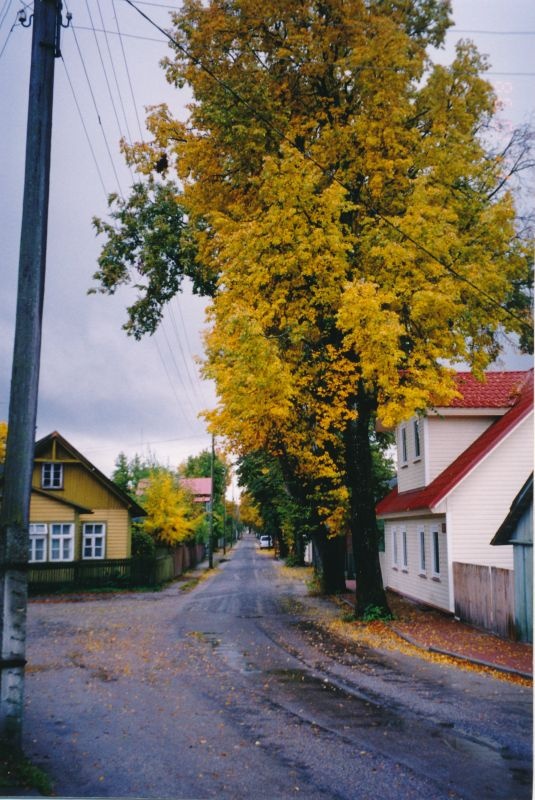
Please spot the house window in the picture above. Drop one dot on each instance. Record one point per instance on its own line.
(421, 543)
(404, 550)
(404, 445)
(38, 537)
(61, 541)
(52, 476)
(435, 543)
(394, 547)
(94, 540)
(417, 445)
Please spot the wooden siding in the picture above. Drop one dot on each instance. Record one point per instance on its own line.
(80, 485)
(411, 474)
(484, 596)
(410, 582)
(46, 509)
(448, 437)
(523, 558)
(118, 534)
(479, 504)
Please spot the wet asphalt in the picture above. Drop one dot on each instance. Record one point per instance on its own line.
(234, 690)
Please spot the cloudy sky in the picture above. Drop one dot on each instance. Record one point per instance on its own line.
(105, 392)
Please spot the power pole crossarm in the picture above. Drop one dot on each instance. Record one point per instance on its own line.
(14, 514)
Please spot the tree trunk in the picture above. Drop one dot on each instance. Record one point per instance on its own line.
(363, 523)
(329, 562)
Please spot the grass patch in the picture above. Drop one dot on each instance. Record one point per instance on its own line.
(17, 771)
(187, 586)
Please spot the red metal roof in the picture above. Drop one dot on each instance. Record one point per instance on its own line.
(431, 495)
(499, 389)
(201, 488)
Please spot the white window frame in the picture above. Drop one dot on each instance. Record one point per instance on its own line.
(422, 563)
(435, 553)
(395, 548)
(404, 550)
(64, 533)
(38, 533)
(417, 439)
(403, 445)
(91, 532)
(52, 475)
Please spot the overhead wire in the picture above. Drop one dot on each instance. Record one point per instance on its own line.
(112, 62)
(92, 94)
(105, 73)
(5, 11)
(187, 395)
(86, 132)
(185, 360)
(284, 137)
(127, 70)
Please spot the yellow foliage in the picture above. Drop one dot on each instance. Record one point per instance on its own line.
(3, 438)
(172, 516)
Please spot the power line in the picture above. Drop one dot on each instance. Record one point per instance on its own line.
(5, 11)
(88, 138)
(127, 70)
(112, 99)
(97, 110)
(119, 93)
(448, 267)
(492, 33)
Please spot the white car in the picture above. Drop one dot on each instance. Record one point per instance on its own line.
(265, 542)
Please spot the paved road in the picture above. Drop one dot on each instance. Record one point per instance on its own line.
(233, 691)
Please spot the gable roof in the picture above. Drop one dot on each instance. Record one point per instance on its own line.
(442, 485)
(42, 445)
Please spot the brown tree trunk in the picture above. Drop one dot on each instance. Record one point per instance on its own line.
(329, 562)
(363, 523)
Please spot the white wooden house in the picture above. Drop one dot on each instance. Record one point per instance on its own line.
(459, 469)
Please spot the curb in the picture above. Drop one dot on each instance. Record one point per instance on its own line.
(452, 654)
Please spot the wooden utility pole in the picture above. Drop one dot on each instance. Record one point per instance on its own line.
(211, 533)
(14, 514)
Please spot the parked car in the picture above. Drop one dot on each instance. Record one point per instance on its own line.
(265, 542)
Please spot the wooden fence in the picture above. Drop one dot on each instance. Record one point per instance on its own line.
(114, 573)
(484, 596)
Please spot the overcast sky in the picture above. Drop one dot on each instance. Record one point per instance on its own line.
(103, 391)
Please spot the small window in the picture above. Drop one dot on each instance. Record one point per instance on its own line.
(38, 542)
(417, 445)
(52, 476)
(394, 547)
(61, 541)
(436, 552)
(404, 550)
(94, 540)
(421, 543)
(404, 445)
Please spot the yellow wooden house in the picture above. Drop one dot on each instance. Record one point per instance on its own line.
(76, 512)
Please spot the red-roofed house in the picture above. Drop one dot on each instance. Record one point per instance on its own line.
(200, 488)
(459, 469)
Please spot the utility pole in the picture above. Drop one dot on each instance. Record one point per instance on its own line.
(14, 514)
(211, 533)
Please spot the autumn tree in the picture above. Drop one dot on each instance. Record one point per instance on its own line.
(343, 190)
(172, 515)
(3, 437)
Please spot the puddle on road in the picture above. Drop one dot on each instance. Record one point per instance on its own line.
(336, 704)
(319, 702)
(235, 658)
